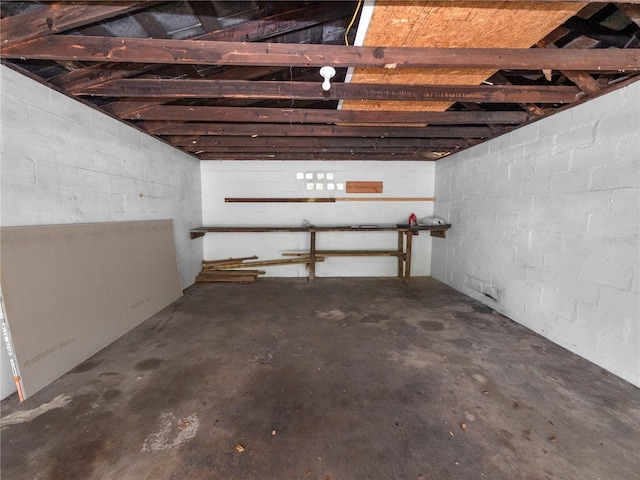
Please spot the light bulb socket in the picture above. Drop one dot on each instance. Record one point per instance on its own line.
(327, 73)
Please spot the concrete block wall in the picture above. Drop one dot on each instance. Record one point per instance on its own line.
(546, 228)
(63, 162)
(278, 179)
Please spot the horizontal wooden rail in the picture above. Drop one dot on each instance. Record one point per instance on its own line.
(198, 52)
(280, 200)
(328, 200)
(385, 199)
(349, 253)
(271, 263)
(256, 89)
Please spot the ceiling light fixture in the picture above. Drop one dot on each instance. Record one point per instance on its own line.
(327, 73)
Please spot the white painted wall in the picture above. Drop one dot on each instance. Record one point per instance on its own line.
(63, 162)
(546, 221)
(278, 179)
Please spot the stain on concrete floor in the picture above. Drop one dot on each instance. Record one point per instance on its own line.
(345, 379)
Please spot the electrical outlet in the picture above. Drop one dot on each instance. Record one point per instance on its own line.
(299, 176)
(310, 186)
(308, 176)
(331, 186)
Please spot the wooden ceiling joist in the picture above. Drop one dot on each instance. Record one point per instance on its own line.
(56, 18)
(197, 52)
(206, 15)
(346, 156)
(312, 91)
(304, 151)
(254, 31)
(219, 82)
(297, 143)
(125, 106)
(276, 25)
(150, 25)
(276, 130)
(314, 115)
(95, 74)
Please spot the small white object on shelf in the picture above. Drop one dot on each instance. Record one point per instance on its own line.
(432, 221)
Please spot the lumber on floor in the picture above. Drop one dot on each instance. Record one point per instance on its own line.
(225, 270)
(208, 275)
(226, 278)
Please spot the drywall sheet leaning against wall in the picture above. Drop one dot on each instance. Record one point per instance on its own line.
(71, 290)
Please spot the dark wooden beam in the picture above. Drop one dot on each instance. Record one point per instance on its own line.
(206, 15)
(59, 17)
(278, 115)
(150, 25)
(284, 156)
(191, 143)
(336, 150)
(283, 23)
(631, 10)
(582, 79)
(475, 108)
(99, 73)
(127, 106)
(277, 130)
(155, 30)
(347, 91)
(95, 74)
(109, 49)
(258, 30)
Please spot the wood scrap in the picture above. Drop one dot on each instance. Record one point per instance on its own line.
(228, 260)
(212, 271)
(226, 278)
(208, 271)
(364, 187)
(226, 270)
(208, 275)
(270, 263)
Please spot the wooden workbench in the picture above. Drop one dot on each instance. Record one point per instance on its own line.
(403, 252)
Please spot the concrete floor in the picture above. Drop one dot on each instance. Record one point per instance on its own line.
(345, 379)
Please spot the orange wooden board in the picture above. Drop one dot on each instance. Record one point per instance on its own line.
(364, 187)
(452, 24)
